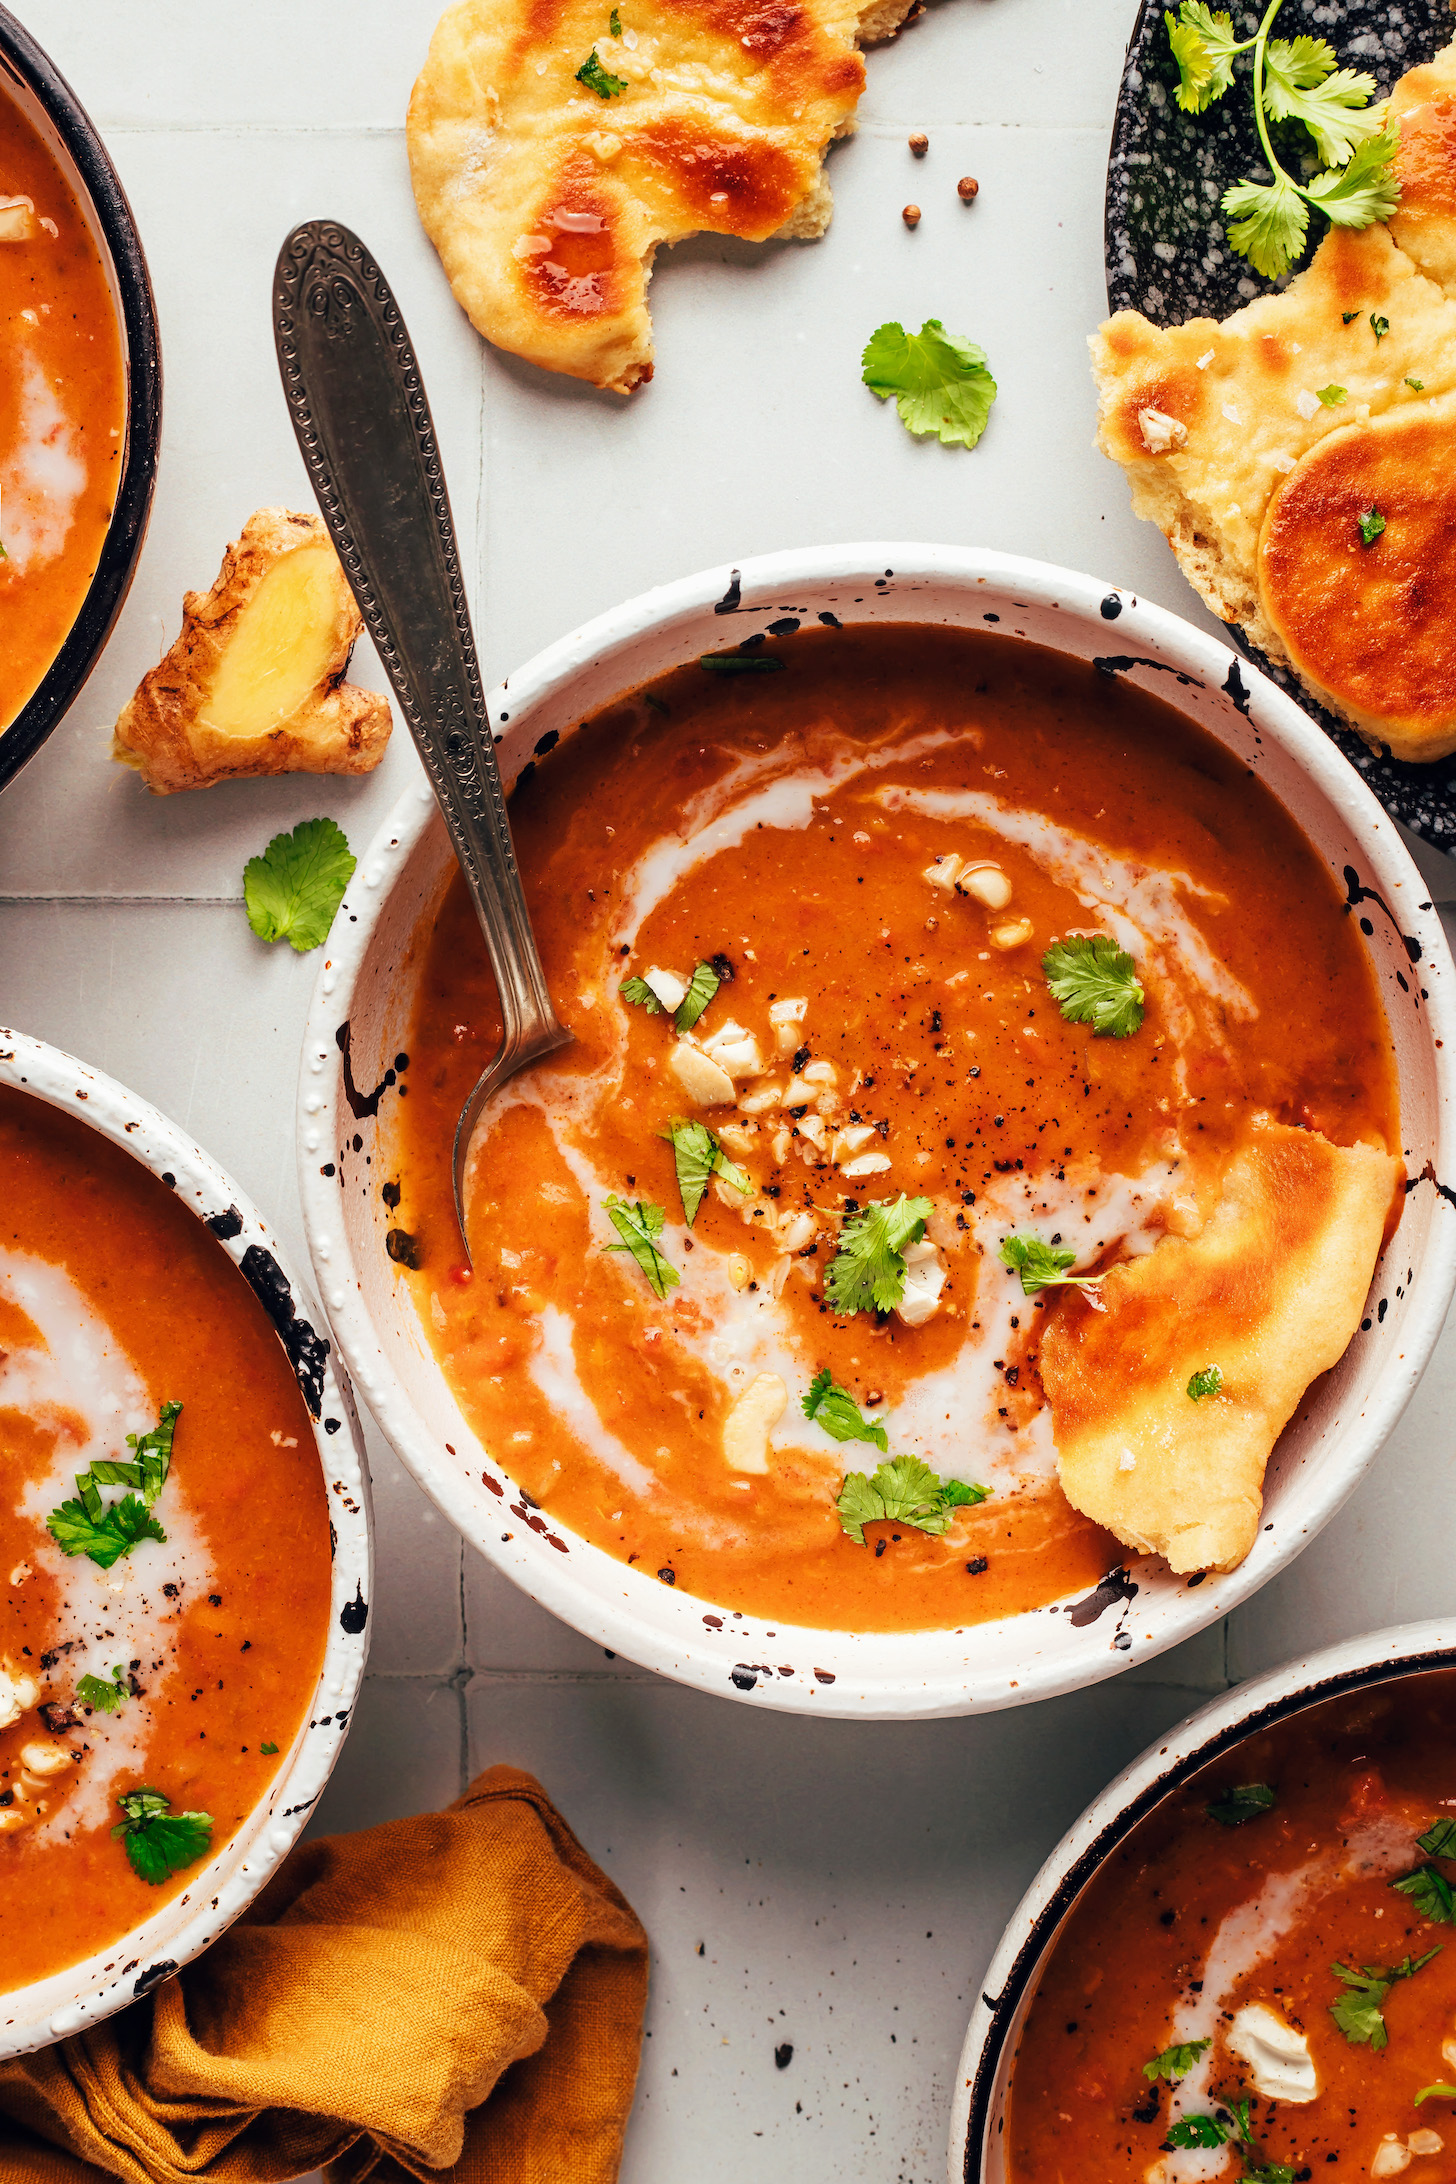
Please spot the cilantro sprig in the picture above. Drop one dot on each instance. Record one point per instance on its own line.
(941, 382)
(101, 1696)
(105, 1532)
(1371, 523)
(1439, 1840)
(1229, 2123)
(1359, 2011)
(1294, 80)
(1427, 1886)
(1044, 1266)
(868, 1271)
(1175, 2062)
(160, 1842)
(698, 1157)
(638, 1227)
(702, 986)
(1245, 1802)
(1208, 1380)
(1095, 982)
(292, 891)
(596, 78)
(903, 1491)
(835, 1409)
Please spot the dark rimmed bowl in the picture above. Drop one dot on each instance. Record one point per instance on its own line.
(983, 2080)
(43, 95)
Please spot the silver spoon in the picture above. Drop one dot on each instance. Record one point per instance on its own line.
(364, 428)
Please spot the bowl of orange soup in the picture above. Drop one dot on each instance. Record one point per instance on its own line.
(1239, 1963)
(184, 1548)
(80, 396)
(1008, 1103)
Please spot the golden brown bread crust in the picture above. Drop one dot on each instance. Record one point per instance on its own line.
(1424, 226)
(1270, 1292)
(335, 728)
(547, 202)
(1375, 624)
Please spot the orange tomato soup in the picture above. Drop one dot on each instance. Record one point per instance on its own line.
(62, 409)
(1226, 1940)
(114, 1301)
(887, 1035)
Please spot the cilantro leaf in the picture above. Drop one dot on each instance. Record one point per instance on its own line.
(1199, 2131)
(614, 23)
(941, 382)
(1244, 1802)
(702, 986)
(1371, 523)
(1043, 1266)
(267, 1750)
(1367, 189)
(1175, 2062)
(1439, 2091)
(1270, 222)
(1379, 327)
(903, 1491)
(1358, 2013)
(1331, 395)
(868, 1269)
(596, 78)
(1439, 1840)
(96, 1692)
(1266, 2172)
(105, 1538)
(1430, 1892)
(639, 1226)
(1302, 83)
(294, 888)
(1203, 45)
(741, 663)
(160, 1842)
(1418, 384)
(640, 995)
(836, 1410)
(153, 1453)
(1095, 982)
(699, 1156)
(1207, 1381)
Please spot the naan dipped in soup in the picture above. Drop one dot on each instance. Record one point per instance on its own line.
(164, 1545)
(968, 1052)
(1259, 1985)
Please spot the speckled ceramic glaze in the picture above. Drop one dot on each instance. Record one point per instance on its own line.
(356, 1055)
(1168, 257)
(35, 2015)
(983, 2080)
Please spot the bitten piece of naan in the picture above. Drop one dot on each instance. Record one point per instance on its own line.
(1270, 1292)
(547, 196)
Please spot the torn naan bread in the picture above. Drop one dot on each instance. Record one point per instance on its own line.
(1270, 1292)
(547, 195)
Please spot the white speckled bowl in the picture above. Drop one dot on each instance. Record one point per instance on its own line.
(363, 986)
(33, 2016)
(983, 2080)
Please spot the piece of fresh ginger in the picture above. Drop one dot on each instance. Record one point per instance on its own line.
(255, 682)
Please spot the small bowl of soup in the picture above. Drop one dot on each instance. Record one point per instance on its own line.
(991, 1210)
(80, 400)
(1240, 1961)
(185, 1554)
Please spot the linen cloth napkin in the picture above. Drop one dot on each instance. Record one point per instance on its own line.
(458, 1995)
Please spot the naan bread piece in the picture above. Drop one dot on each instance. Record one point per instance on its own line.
(1372, 626)
(1270, 1292)
(547, 200)
(1424, 104)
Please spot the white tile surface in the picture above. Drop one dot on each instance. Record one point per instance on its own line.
(846, 1885)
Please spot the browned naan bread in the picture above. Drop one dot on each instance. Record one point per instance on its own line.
(1270, 1292)
(547, 200)
(1214, 422)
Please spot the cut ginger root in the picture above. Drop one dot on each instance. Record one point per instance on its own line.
(255, 682)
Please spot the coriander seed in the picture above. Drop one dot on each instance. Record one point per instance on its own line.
(967, 188)
(920, 144)
(911, 216)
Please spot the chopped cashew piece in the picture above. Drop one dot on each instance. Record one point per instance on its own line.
(820, 1073)
(924, 1276)
(795, 1230)
(1425, 2142)
(1278, 2057)
(779, 1146)
(736, 1050)
(757, 1102)
(17, 220)
(1390, 2157)
(798, 1092)
(1160, 432)
(739, 1137)
(753, 1417)
(850, 1139)
(705, 1083)
(986, 884)
(814, 1128)
(667, 986)
(18, 1693)
(786, 1017)
(1448, 2053)
(1013, 934)
(43, 1758)
(943, 872)
(865, 1164)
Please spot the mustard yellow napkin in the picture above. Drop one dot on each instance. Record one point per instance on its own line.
(457, 1995)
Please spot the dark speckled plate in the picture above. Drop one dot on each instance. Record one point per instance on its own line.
(1167, 255)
